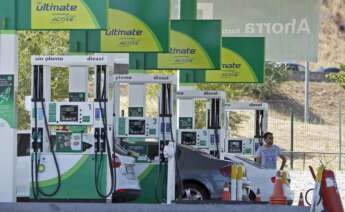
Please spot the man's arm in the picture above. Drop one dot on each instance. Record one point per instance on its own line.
(258, 157)
(258, 160)
(283, 161)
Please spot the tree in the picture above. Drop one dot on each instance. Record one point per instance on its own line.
(338, 78)
(38, 43)
(274, 75)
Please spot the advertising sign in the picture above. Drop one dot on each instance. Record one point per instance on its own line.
(7, 110)
(54, 14)
(243, 61)
(130, 28)
(291, 28)
(194, 44)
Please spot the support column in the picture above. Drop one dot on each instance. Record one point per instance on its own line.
(171, 179)
(78, 83)
(8, 118)
(137, 97)
(137, 92)
(306, 93)
(188, 11)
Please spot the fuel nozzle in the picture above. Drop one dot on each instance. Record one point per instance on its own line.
(161, 150)
(103, 139)
(97, 138)
(37, 136)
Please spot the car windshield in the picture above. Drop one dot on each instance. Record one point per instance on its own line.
(198, 151)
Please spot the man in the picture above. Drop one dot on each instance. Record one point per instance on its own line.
(267, 154)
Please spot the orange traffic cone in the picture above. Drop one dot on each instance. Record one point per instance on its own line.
(278, 197)
(226, 193)
(258, 196)
(300, 200)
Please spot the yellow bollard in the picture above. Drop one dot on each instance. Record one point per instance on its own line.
(233, 182)
(240, 171)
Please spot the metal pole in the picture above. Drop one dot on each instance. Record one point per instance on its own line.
(340, 139)
(291, 141)
(303, 160)
(306, 92)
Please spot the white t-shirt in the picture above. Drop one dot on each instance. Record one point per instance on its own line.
(268, 156)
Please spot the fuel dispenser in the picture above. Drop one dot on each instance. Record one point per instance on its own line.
(247, 146)
(241, 150)
(149, 139)
(211, 137)
(71, 140)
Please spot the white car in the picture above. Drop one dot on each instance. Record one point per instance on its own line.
(259, 178)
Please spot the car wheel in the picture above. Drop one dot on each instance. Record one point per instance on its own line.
(193, 191)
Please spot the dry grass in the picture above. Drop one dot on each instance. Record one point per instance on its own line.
(321, 135)
(332, 38)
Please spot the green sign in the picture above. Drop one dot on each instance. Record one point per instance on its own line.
(130, 28)
(53, 14)
(194, 44)
(243, 61)
(7, 109)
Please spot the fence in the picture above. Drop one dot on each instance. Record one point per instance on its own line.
(309, 143)
(304, 144)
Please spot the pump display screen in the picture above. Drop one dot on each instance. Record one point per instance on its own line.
(188, 138)
(235, 146)
(136, 127)
(69, 113)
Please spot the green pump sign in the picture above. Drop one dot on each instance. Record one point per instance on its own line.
(7, 101)
(130, 28)
(194, 44)
(243, 61)
(53, 14)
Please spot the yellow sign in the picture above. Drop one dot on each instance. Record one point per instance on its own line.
(62, 14)
(184, 53)
(127, 33)
(234, 69)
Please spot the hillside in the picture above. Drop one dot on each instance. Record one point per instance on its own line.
(323, 100)
(332, 34)
(324, 97)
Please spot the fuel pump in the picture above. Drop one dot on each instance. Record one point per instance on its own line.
(211, 137)
(242, 149)
(149, 139)
(247, 146)
(71, 150)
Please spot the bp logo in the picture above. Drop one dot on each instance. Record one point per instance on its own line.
(41, 168)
